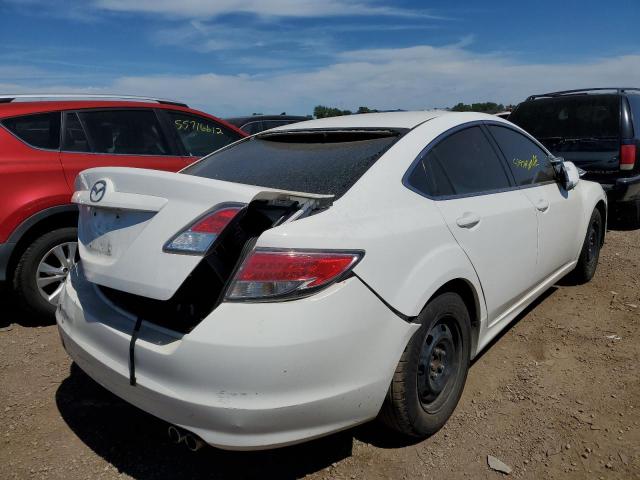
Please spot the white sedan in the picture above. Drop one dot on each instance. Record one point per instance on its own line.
(319, 275)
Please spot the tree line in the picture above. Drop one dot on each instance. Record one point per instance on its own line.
(322, 111)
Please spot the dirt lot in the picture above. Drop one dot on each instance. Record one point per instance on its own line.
(556, 396)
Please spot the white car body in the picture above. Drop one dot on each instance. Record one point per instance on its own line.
(260, 375)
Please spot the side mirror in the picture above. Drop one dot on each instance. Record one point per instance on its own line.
(571, 175)
(567, 172)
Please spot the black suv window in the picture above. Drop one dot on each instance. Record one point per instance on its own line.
(201, 136)
(41, 130)
(125, 132)
(569, 117)
(461, 164)
(528, 162)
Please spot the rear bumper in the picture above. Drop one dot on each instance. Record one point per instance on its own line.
(626, 189)
(249, 376)
(6, 249)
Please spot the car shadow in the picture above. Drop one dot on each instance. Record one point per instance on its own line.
(623, 224)
(137, 444)
(12, 313)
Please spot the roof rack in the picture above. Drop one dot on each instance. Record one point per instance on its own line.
(8, 98)
(583, 90)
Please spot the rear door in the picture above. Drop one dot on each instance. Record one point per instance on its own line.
(116, 137)
(559, 219)
(491, 219)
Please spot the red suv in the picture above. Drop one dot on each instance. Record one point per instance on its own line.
(43, 146)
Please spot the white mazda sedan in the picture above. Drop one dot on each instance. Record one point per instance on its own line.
(319, 275)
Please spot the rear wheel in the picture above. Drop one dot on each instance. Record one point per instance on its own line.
(43, 268)
(590, 253)
(432, 371)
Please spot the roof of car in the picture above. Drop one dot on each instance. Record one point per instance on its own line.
(586, 91)
(20, 108)
(369, 120)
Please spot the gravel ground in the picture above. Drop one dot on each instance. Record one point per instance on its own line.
(556, 396)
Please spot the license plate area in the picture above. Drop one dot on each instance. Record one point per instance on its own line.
(108, 232)
(101, 222)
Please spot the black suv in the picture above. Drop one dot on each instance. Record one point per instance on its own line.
(599, 130)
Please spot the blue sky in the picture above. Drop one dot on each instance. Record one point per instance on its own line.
(231, 57)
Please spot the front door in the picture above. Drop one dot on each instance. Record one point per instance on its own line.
(556, 208)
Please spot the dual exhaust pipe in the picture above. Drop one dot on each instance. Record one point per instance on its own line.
(178, 436)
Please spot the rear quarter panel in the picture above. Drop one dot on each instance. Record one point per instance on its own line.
(30, 181)
(409, 251)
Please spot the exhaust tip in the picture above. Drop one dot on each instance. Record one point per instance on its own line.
(193, 443)
(174, 435)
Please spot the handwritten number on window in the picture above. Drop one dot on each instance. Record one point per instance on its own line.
(193, 126)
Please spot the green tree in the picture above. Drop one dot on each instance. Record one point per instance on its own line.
(323, 112)
(484, 107)
(366, 110)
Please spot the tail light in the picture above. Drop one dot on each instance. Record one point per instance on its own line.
(197, 238)
(273, 274)
(627, 157)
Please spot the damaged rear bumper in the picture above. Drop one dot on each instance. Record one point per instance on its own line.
(249, 376)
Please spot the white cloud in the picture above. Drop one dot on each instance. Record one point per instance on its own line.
(409, 78)
(270, 8)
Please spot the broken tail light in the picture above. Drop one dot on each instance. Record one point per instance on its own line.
(275, 274)
(198, 237)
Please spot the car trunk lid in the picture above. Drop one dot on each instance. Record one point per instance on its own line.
(127, 215)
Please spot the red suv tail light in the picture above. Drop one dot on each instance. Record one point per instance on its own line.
(627, 157)
(197, 238)
(269, 274)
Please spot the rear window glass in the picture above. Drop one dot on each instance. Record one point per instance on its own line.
(42, 130)
(576, 117)
(327, 162)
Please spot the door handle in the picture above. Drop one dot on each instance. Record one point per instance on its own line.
(468, 220)
(542, 205)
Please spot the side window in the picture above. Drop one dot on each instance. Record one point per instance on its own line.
(125, 132)
(463, 163)
(201, 136)
(41, 130)
(528, 162)
(74, 138)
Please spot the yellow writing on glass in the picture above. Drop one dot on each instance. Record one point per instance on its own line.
(192, 125)
(526, 164)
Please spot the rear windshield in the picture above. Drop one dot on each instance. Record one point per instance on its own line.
(321, 162)
(595, 116)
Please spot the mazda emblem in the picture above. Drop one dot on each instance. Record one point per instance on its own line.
(98, 190)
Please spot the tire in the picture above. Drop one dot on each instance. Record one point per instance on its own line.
(412, 407)
(590, 253)
(25, 276)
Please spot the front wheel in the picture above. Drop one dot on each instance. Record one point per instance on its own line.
(42, 270)
(432, 371)
(590, 253)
